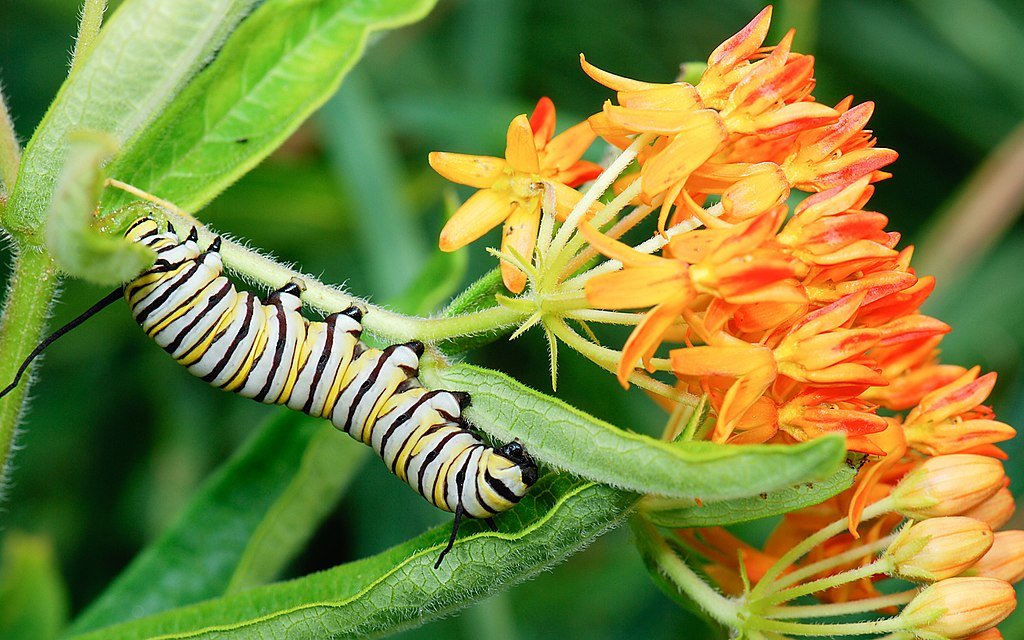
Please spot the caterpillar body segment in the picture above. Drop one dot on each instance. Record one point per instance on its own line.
(269, 352)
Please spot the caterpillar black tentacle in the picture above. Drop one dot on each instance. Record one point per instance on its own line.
(269, 352)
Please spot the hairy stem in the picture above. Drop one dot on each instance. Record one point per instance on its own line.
(88, 27)
(835, 561)
(30, 292)
(841, 608)
(10, 150)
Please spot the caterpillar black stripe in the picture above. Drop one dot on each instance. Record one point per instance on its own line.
(269, 352)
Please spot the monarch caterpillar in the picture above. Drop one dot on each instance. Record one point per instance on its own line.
(269, 352)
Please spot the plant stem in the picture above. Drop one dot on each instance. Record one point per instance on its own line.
(842, 608)
(834, 561)
(882, 565)
(30, 292)
(92, 20)
(715, 604)
(808, 543)
(883, 625)
(326, 299)
(10, 150)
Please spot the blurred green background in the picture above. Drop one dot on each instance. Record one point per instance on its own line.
(118, 436)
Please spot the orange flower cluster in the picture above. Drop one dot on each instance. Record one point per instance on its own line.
(805, 325)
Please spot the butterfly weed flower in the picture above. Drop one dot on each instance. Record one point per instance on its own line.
(767, 287)
(512, 189)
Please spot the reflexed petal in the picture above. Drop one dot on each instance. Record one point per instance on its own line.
(520, 233)
(542, 121)
(790, 119)
(646, 337)
(828, 317)
(610, 80)
(638, 287)
(744, 43)
(484, 210)
(688, 150)
(568, 147)
(579, 173)
(731, 361)
(616, 250)
(665, 123)
(662, 97)
(835, 200)
(764, 188)
(520, 151)
(474, 171)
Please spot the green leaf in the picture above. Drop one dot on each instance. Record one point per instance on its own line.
(78, 248)
(267, 498)
(667, 512)
(567, 438)
(399, 588)
(251, 98)
(33, 600)
(139, 61)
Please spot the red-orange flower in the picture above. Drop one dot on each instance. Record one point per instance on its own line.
(512, 188)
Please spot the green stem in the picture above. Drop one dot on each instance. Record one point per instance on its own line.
(842, 608)
(30, 292)
(654, 546)
(10, 150)
(882, 565)
(326, 299)
(835, 561)
(872, 627)
(808, 543)
(92, 20)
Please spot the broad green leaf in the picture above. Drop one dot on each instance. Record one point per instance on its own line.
(400, 588)
(667, 512)
(79, 249)
(567, 438)
(139, 61)
(33, 600)
(260, 501)
(283, 62)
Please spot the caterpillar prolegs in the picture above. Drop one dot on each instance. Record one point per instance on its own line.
(269, 352)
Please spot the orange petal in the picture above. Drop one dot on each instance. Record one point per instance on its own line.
(610, 80)
(484, 210)
(616, 250)
(639, 287)
(729, 361)
(689, 149)
(660, 122)
(542, 121)
(662, 97)
(568, 147)
(520, 151)
(743, 44)
(644, 340)
(520, 234)
(474, 171)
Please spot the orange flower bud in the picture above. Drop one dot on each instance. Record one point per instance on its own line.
(939, 548)
(987, 634)
(959, 607)
(948, 486)
(995, 511)
(1005, 560)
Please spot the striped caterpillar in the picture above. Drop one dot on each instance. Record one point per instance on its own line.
(269, 352)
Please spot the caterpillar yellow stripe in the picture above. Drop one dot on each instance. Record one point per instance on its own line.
(269, 352)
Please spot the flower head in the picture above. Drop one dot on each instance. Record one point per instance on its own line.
(511, 189)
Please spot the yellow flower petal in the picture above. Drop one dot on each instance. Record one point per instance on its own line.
(478, 215)
(521, 149)
(610, 80)
(646, 338)
(662, 97)
(520, 234)
(688, 150)
(474, 171)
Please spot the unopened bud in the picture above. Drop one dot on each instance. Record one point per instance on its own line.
(939, 548)
(988, 634)
(1005, 560)
(948, 485)
(959, 607)
(996, 511)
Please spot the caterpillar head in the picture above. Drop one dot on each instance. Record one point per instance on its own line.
(516, 453)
